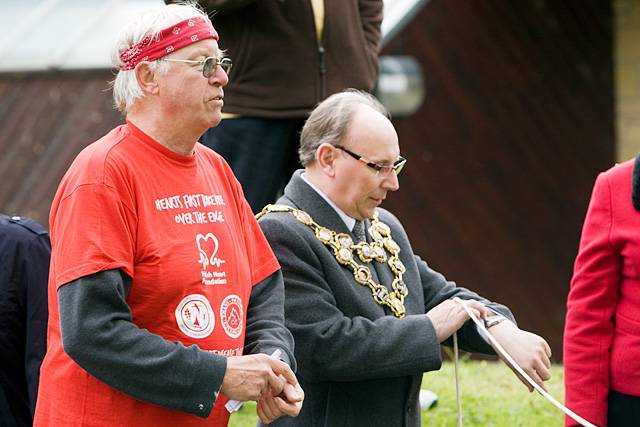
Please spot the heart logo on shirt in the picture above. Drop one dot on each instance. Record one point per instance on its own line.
(208, 248)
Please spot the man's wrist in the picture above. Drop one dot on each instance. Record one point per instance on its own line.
(493, 320)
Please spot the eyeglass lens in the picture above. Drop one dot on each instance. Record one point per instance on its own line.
(397, 168)
(211, 63)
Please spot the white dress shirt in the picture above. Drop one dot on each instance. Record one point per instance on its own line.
(348, 221)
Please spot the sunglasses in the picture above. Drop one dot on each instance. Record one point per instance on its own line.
(209, 64)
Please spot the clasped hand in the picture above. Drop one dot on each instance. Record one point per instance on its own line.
(268, 381)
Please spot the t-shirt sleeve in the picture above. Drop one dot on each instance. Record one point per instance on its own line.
(94, 230)
(261, 256)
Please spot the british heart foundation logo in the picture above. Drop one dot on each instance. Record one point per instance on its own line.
(195, 317)
(208, 248)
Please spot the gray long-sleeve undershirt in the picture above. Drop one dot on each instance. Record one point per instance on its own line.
(98, 334)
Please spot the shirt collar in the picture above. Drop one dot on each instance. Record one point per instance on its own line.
(348, 221)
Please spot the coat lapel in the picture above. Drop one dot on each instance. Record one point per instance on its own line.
(300, 195)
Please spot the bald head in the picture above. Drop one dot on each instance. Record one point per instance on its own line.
(371, 132)
(330, 119)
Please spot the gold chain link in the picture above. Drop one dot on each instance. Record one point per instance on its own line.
(343, 249)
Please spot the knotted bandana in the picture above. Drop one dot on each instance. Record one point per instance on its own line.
(170, 39)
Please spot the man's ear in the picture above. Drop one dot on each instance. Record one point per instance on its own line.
(146, 78)
(326, 155)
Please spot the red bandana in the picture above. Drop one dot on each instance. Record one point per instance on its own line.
(175, 37)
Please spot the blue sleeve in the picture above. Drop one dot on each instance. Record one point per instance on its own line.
(35, 274)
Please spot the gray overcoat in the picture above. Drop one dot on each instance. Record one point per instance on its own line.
(357, 363)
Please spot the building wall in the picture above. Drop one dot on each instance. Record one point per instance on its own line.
(46, 119)
(517, 122)
(627, 78)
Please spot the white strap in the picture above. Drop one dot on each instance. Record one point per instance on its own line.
(455, 366)
(515, 366)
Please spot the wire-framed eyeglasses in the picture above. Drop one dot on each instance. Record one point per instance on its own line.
(208, 64)
(396, 167)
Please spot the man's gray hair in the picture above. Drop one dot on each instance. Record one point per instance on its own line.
(330, 120)
(126, 89)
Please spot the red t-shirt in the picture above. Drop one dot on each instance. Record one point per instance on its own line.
(180, 228)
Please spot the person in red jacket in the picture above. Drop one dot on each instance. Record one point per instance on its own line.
(602, 329)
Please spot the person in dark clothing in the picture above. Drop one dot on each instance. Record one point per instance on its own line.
(368, 314)
(288, 56)
(24, 267)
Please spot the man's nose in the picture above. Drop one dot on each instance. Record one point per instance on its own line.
(391, 182)
(219, 77)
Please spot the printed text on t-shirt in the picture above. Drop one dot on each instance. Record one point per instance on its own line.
(189, 202)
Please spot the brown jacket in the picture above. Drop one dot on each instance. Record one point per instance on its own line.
(279, 68)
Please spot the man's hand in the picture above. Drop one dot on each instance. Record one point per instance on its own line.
(449, 316)
(528, 350)
(289, 402)
(250, 377)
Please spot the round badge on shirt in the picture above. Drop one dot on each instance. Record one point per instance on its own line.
(195, 316)
(232, 315)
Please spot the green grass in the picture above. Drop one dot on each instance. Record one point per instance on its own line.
(491, 397)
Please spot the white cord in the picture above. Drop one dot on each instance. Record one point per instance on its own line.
(455, 367)
(509, 359)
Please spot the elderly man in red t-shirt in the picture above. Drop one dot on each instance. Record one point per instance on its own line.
(161, 279)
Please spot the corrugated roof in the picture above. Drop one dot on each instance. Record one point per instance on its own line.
(62, 34)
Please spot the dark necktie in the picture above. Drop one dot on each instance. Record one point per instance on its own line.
(358, 232)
